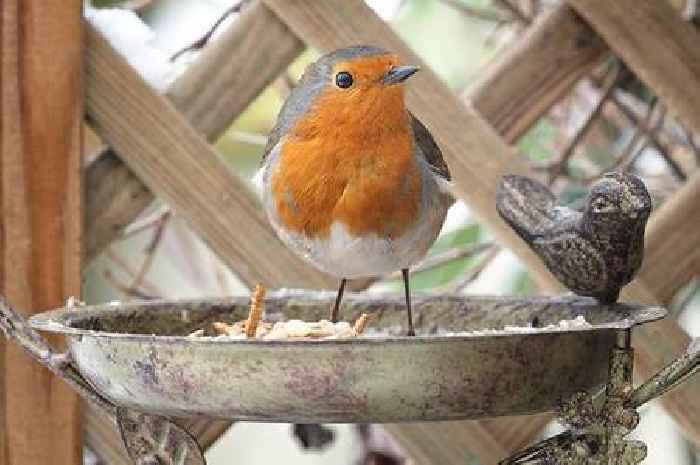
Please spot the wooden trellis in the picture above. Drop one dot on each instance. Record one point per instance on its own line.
(161, 146)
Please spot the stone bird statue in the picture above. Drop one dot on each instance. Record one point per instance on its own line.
(593, 252)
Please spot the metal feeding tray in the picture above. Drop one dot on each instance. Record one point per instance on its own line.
(138, 355)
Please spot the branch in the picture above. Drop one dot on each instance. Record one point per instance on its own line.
(514, 11)
(478, 13)
(204, 40)
(559, 166)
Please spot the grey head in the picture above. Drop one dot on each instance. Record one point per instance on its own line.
(617, 200)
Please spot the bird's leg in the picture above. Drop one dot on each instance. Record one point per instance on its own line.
(339, 297)
(411, 332)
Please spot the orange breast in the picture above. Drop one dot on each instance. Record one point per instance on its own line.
(350, 161)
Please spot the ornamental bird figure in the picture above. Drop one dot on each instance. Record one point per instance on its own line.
(593, 252)
(352, 182)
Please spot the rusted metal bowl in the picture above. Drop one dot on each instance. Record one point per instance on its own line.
(138, 355)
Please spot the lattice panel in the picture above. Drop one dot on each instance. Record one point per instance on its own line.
(557, 51)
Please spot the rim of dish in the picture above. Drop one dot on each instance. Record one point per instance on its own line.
(59, 320)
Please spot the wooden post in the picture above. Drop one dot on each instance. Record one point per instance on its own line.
(40, 215)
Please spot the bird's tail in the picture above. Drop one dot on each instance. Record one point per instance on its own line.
(525, 204)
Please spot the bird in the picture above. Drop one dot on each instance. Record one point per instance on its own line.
(352, 182)
(594, 251)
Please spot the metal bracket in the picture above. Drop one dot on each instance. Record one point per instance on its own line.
(599, 423)
(149, 439)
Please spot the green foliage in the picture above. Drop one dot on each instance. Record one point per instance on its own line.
(464, 237)
(537, 142)
(424, 25)
(523, 284)
(106, 3)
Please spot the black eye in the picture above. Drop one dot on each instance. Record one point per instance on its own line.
(343, 80)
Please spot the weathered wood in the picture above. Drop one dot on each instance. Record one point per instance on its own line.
(671, 259)
(463, 442)
(103, 438)
(114, 198)
(234, 70)
(40, 215)
(527, 80)
(179, 166)
(213, 91)
(657, 44)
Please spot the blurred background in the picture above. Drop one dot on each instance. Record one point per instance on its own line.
(609, 121)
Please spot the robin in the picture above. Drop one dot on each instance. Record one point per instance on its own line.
(352, 181)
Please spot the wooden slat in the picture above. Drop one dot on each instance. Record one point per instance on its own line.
(527, 80)
(672, 258)
(657, 44)
(213, 91)
(40, 215)
(234, 70)
(464, 442)
(103, 438)
(114, 198)
(179, 166)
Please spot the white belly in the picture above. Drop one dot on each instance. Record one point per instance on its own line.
(346, 256)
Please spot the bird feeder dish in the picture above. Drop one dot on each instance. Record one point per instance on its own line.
(473, 357)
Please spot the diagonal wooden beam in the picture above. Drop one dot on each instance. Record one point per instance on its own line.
(213, 91)
(530, 77)
(657, 44)
(154, 139)
(672, 258)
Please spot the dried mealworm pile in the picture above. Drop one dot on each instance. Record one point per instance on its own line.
(254, 327)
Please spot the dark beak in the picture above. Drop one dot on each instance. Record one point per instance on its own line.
(399, 74)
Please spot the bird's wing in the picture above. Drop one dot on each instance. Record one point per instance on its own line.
(527, 206)
(298, 103)
(574, 261)
(428, 149)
